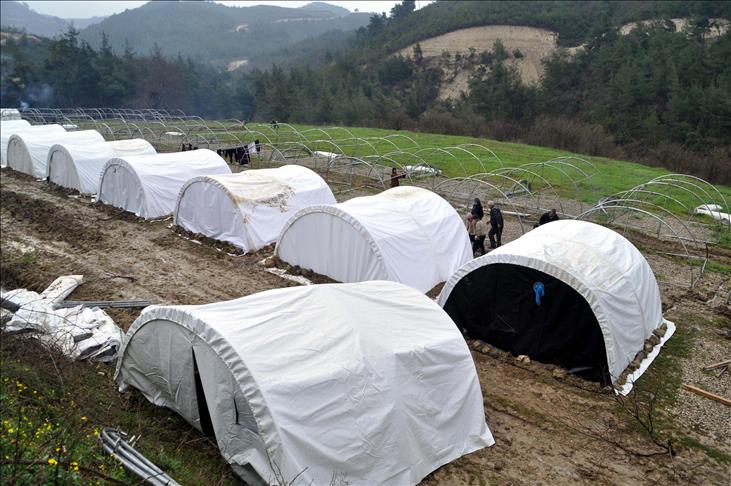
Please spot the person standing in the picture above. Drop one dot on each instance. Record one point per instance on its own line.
(477, 210)
(479, 243)
(496, 225)
(470, 223)
(548, 217)
(395, 176)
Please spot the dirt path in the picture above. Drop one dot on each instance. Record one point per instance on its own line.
(547, 429)
(69, 235)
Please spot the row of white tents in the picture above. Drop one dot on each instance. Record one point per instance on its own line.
(372, 382)
(366, 238)
(368, 380)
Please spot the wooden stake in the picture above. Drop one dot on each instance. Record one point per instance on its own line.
(720, 364)
(707, 394)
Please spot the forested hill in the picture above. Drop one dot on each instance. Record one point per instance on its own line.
(212, 32)
(576, 22)
(659, 93)
(19, 16)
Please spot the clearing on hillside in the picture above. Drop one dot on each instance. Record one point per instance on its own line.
(534, 45)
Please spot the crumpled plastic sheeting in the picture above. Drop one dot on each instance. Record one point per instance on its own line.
(78, 332)
(715, 212)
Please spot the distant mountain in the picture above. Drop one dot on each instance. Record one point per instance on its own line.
(20, 16)
(326, 7)
(223, 35)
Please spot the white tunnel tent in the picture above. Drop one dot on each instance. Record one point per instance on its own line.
(250, 208)
(570, 292)
(28, 149)
(370, 382)
(79, 166)
(148, 185)
(8, 128)
(406, 234)
(38, 130)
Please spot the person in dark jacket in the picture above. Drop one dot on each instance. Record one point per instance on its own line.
(477, 211)
(395, 176)
(245, 159)
(496, 225)
(548, 217)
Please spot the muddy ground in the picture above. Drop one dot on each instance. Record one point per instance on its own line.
(549, 429)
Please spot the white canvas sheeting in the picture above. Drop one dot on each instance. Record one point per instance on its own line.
(148, 185)
(9, 114)
(250, 208)
(602, 266)
(714, 211)
(79, 166)
(371, 382)
(28, 149)
(405, 234)
(9, 128)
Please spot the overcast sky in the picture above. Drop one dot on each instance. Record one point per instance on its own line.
(80, 10)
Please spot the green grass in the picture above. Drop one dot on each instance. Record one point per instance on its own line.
(53, 411)
(663, 381)
(713, 453)
(612, 175)
(664, 378)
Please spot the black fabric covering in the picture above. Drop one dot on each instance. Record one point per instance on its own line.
(497, 304)
(203, 413)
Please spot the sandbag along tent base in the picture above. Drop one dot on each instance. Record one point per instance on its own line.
(370, 383)
(570, 292)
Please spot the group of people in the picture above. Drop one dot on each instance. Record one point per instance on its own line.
(477, 226)
(240, 155)
(187, 146)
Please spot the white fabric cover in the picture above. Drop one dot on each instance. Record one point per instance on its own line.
(148, 185)
(28, 149)
(602, 266)
(405, 234)
(9, 114)
(79, 166)
(249, 209)
(8, 128)
(371, 381)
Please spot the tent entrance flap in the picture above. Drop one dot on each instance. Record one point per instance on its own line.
(526, 311)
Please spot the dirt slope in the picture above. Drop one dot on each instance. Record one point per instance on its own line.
(721, 26)
(534, 44)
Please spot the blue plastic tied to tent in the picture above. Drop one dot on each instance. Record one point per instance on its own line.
(539, 290)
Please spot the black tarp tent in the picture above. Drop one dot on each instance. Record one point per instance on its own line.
(569, 292)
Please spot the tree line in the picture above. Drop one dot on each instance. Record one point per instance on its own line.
(655, 95)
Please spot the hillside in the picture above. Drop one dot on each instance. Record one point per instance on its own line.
(527, 47)
(211, 32)
(575, 22)
(20, 16)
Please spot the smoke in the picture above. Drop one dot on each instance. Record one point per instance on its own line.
(38, 94)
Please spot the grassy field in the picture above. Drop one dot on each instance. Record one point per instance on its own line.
(608, 176)
(612, 175)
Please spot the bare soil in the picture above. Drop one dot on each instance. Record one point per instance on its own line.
(534, 45)
(549, 429)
